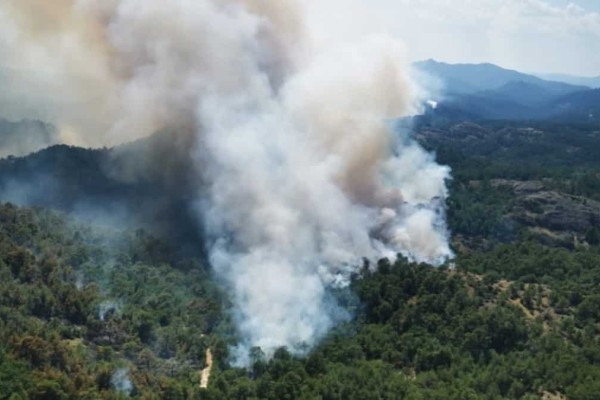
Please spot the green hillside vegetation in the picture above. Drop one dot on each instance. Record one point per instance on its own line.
(77, 304)
(513, 180)
(510, 323)
(99, 313)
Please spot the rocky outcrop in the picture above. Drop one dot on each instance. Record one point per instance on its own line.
(552, 212)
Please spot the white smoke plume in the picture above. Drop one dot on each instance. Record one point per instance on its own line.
(109, 307)
(302, 173)
(121, 382)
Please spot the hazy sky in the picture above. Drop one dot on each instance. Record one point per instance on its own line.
(590, 5)
(530, 35)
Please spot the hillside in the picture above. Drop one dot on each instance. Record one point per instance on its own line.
(520, 92)
(281, 206)
(538, 175)
(592, 82)
(582, 106)
(91, 315)
(142, 184)
(100, 312)
(473, 78)
(489, 92)
(97, 313)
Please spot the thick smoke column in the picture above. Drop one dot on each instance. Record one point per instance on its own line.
(302, 175)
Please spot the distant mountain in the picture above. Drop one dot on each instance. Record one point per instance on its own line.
(486, 91)
(520, 92)
(591, 82)
(486, 106)
(473, 78)
(582, 106)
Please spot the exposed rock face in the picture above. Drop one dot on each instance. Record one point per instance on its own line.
(540, 163)
(557, 213)
(562, 212)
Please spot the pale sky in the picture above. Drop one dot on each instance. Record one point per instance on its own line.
(590, 5)
(556, 36)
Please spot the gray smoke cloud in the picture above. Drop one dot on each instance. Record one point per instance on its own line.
(302, 175)
(24, 137)
(109, 307)
(121, 382)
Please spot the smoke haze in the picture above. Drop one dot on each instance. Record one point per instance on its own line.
(300, 174)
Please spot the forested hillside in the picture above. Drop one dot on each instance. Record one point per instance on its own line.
(89, 313)
(147, 183)
(96, 312)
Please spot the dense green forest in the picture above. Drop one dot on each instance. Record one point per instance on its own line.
(78, 304)
(89, 312)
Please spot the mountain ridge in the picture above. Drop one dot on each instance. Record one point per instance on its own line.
(485, 76)
(487, 91)
(590, 81)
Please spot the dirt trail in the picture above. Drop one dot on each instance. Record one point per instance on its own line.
(518, 303)
(205, 374)
(553, 396)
